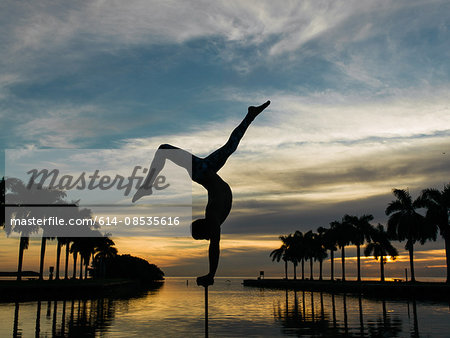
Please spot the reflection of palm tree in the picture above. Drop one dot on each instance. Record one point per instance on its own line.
(438, 207)
(333, 305)
(406, 224)
(380, 247)
(38, 319)
(361, 229)
(361, 317)
(344, 299)
(388, 325)
(16, 320)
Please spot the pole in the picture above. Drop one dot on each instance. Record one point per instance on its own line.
(206, 311)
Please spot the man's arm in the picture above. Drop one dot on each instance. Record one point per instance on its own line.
(214, 253)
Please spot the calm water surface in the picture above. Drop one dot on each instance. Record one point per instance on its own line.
(177, 310)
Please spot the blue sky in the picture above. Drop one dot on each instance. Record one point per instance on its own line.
(359, 91)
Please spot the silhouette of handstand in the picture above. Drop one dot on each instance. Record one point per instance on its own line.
(204, 172)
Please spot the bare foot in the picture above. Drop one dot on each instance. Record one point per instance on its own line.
(254, 111)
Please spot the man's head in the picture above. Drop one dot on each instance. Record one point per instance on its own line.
(200, 229)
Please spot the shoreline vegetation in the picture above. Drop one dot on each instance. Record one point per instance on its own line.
(439, 291)
(414, 221)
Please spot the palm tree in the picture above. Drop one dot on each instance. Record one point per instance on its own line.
(2, 203)
(437, 204)
(17, 194)
(406, 224)
(61, 242)
(343, 233)
(321, 253)
(329, 242)
(380, 247)
(310, 250)
(296, 252)
(88, 247)
(74, 249)
(291, 254)
(281, 253)
(104, 250)
(31, 194)
(361, 230)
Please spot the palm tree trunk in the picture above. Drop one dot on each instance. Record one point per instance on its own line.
(41, 265)
(75, 256)
(295, 271)
(86, 266)
(332, 264)
(22, 245)
(81, 267)
(311, 268)
(285, 269)
(66, 271)
(303, 269)
(411, 262)
(343, 263)
(382, 267)
(320, 269)
(358, 260)
(447, 255)
(58, 259)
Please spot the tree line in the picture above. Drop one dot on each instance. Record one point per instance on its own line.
(94, 248)
(410, 220)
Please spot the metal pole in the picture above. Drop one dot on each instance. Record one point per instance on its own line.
(206, 311)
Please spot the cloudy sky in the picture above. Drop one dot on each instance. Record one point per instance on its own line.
(360, 105)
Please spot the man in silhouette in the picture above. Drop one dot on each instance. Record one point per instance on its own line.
(204, 172)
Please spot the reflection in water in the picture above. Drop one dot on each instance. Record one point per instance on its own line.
(385, 326)
(361, 317)
(177, 310)
(16, 322)
(87, 318)
(345, 314)
(38, 319)
(304, 322)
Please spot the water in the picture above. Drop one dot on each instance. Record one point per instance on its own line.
(177, 310)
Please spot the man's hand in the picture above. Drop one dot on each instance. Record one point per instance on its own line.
(205, 280)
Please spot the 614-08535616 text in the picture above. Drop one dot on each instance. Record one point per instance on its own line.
(137, 220)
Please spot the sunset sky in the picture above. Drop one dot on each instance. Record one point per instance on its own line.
(360, 95)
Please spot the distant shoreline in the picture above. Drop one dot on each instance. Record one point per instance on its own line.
(419, 290)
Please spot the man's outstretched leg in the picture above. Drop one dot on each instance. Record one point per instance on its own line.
(165, 151)
(217, 159)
